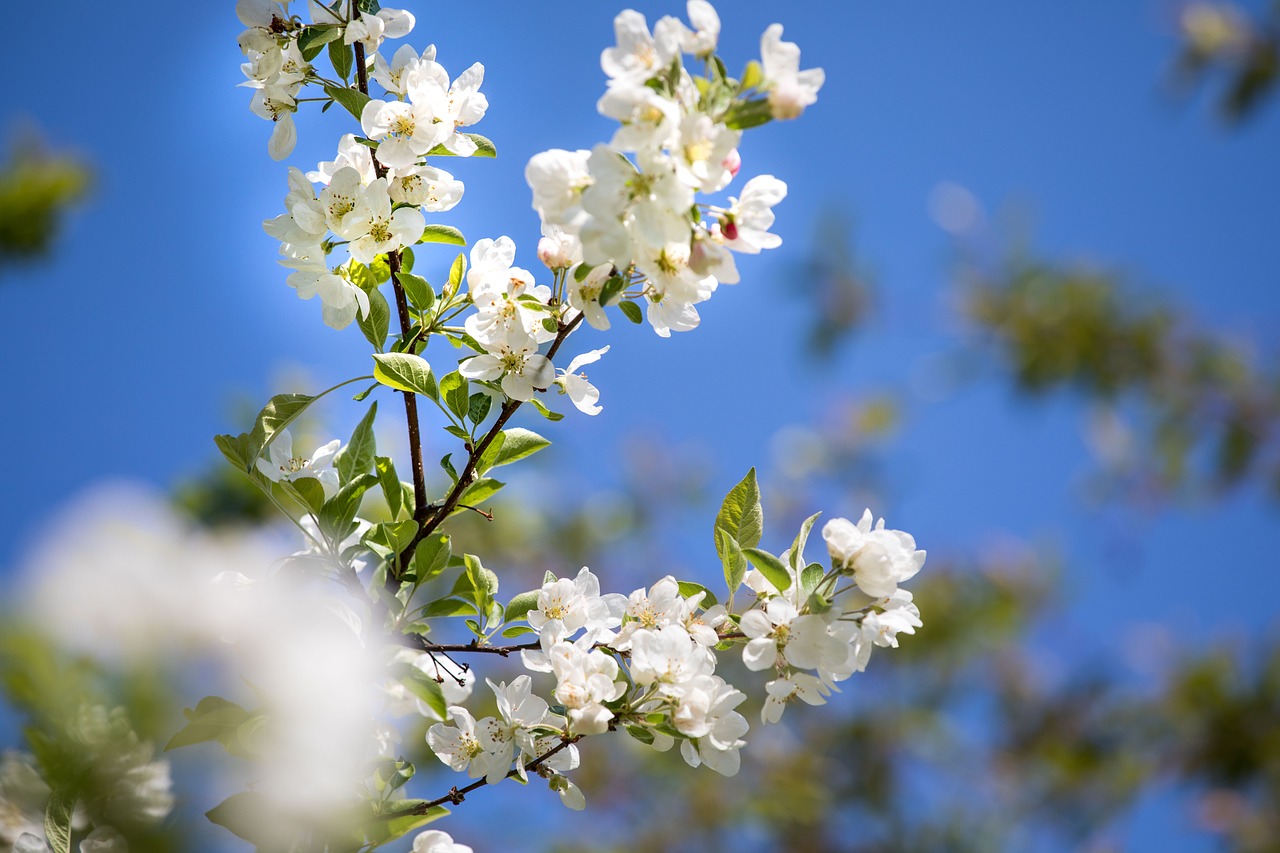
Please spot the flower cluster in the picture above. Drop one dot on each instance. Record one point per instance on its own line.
(640, 214)
(647, 661)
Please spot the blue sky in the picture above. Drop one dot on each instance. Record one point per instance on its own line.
(165, 304)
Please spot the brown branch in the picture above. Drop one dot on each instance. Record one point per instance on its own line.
(418, 641)
(446, 507)
(420, 507)
(457, 795)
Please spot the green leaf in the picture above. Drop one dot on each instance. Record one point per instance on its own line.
(752, 75)
(478, 408)
(448, 607)
(431, 557)
(510, 446)
(358, 455)
(773, 569)
(406, 259)
(632, 312)
(249, 815)
(361, 276)
(343, 58)
(312, 39)
(402, 821)
(517, 631)
(688, 589)
(280, 411)
(404, 372)
(611, 288)
(640, 733)
(57, 820)
(545, 412)
(364, 395)
(479, 492)
(456, 272)
(390, 482)
(735, 565)
(483, 581)
(235, 448)
(443, 234)
(484, 148)
(353, 100)
(456, 392)
(745, 114)
(811, 576)
(375, 326)
(740, 514)
(423, 686)
(448, 467)
(381, 269)
(421, 294)
(796, 557)
(519, 606)
(308, 491)
(339, 512)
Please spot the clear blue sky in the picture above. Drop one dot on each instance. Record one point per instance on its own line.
(165, 302)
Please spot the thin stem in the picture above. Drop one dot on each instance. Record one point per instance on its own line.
(446, 507)
(457, 795)
(473, 646)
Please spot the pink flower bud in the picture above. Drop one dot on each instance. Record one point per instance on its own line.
(551, 252)
(733, 162)
(729, 229)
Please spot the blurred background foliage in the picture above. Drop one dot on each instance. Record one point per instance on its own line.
(38, 185)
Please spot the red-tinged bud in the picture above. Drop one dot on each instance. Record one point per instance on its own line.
(730, 230)
(733, 162)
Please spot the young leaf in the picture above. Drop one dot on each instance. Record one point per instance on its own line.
(443, 234)
(510, 446)
(358, 455)
(484, 148)
(213, 718)
(353, 100)
(735, 565)
(689, 589)
(404, 372)
(519, 606)
(796, 557)
(57, 820)
(456, 392)
(632, 312)
(740, 515)
(280, 411)
(478, 408)
(421, 294)
(312, 39)
(545, 412)
(773, 569)
(235, 448)
(390, 482)
(447, 607)
(249, 815)
(377, 323)
(479, 492)
(457, 271)
(810, 576)
(431, 557)
(339, 512)
(342, 57)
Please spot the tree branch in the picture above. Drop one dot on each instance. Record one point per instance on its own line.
(446, 507)
(457, 795)
(420, 506)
